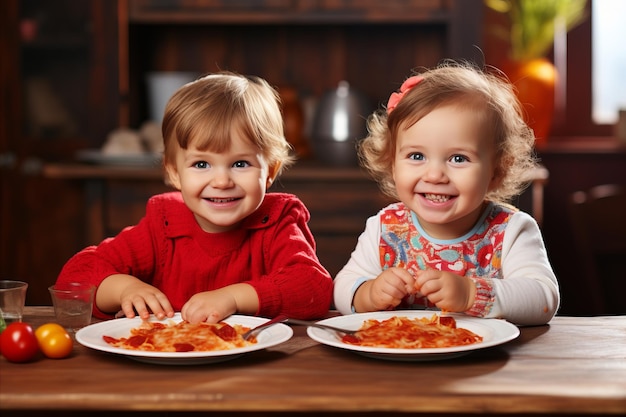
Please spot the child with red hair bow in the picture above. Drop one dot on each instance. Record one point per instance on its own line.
(452, 147)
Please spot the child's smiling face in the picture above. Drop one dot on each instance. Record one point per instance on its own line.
(443, 168)
(222, 189)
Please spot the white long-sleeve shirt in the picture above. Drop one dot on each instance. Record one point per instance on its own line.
(526, 293)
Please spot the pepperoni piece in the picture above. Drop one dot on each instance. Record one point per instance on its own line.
(183, 347)
(447, 321)
(226, 332)
(110, 340)
(135, 341)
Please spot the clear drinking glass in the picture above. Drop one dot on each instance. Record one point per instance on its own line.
(73, 304)
(12, 299)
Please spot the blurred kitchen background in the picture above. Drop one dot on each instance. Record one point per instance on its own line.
(84, 84)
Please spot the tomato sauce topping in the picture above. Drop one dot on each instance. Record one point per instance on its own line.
(404, 333)
(182, 337)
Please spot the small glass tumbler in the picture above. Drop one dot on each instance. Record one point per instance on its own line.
(73, 304)
(12, 299)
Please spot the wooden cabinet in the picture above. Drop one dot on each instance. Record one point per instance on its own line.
(58, 77)
(340, 201)
(308, 45)
(87, 62)
(62, 92)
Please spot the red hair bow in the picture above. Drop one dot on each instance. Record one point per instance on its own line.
(407, 85)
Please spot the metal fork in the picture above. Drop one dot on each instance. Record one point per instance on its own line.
(321, 326)
(278, 319)
(284, 319)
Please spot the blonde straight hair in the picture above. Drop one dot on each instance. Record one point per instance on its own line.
(206, 111)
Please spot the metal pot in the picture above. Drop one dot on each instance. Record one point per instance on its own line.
(338, 123)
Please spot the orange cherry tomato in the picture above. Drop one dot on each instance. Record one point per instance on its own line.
(54, 341)
(47, 329)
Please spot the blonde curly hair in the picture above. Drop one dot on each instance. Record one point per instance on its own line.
(461, 84)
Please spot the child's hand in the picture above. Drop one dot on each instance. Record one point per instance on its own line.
(213, 306)
(209, 306)
(144, 298)
(384, 292)
(446, 290)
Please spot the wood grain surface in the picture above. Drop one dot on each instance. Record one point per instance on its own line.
(574, 365)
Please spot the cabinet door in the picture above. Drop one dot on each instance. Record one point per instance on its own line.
(306, 45)
(340, 201)
(59, 95)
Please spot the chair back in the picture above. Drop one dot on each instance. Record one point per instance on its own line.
(598, 220)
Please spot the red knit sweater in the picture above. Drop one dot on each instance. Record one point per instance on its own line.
(274, 251)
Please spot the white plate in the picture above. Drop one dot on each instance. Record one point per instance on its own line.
(95, 156)
(493, 331)
(91, 336)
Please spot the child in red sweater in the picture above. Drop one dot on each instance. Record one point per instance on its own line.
(220, 245)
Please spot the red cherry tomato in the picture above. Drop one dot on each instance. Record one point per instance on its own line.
(18, 342)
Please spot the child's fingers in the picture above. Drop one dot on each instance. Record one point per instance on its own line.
(155, 303)
(142, 311)
(127, 309)
(425, 276)
(407, 280)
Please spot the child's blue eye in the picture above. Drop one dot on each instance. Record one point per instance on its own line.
(458, 159)
(201, 164)
(241, 164)
(417, 156)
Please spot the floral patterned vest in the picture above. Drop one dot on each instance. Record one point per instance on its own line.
(477, 255)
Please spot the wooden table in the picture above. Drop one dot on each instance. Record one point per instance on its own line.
(571, 366)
